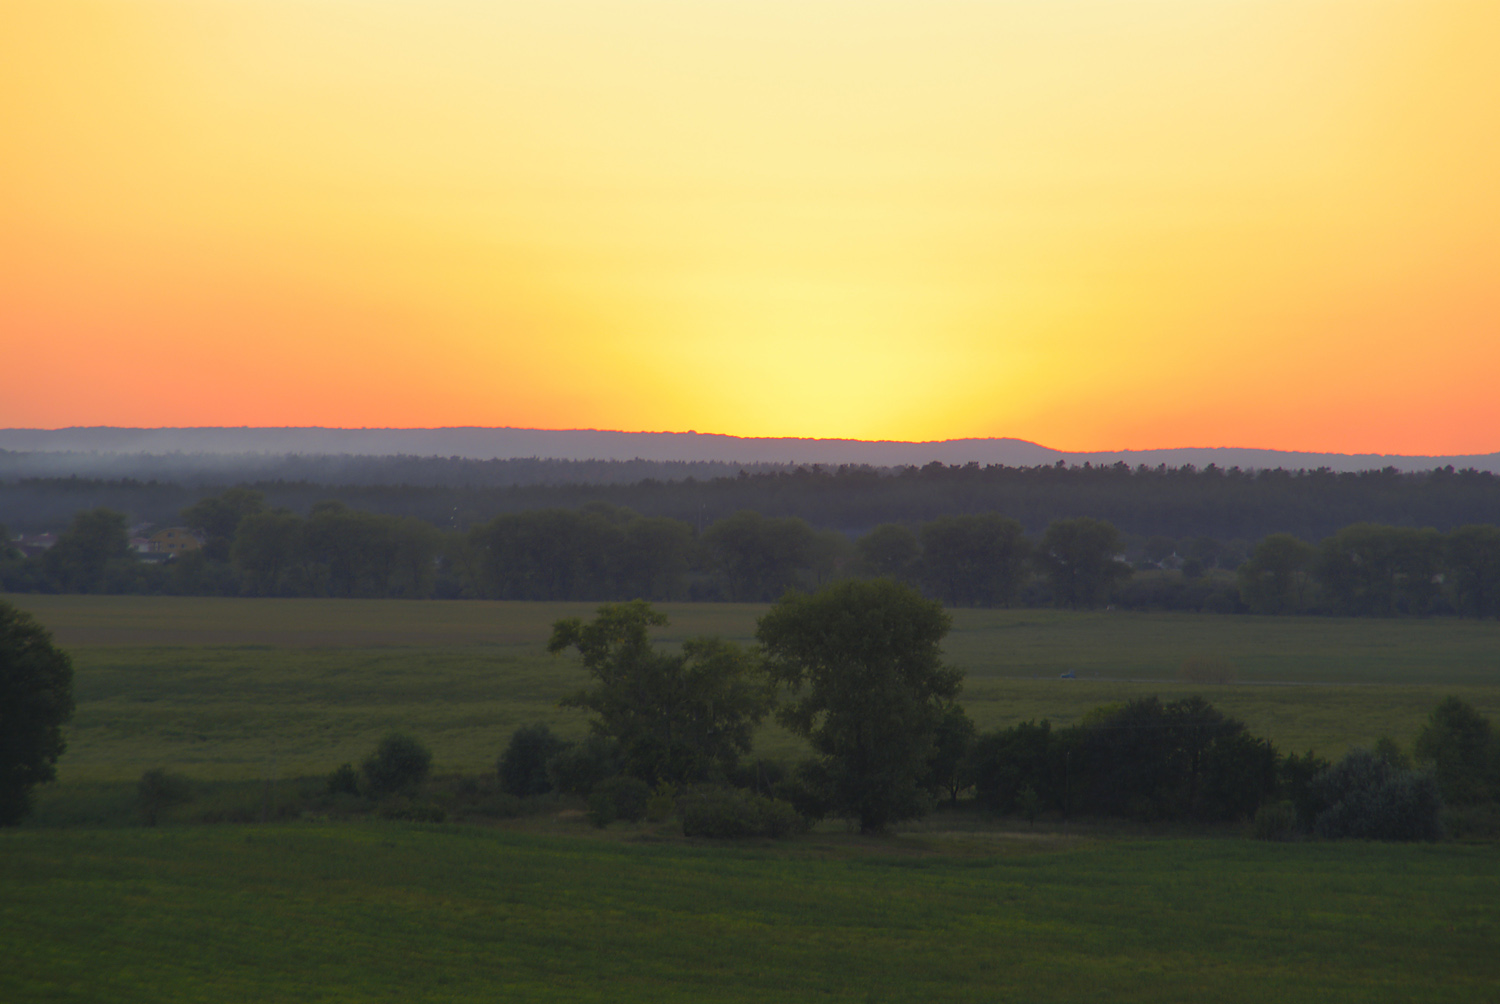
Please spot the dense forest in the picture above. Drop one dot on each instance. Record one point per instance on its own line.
(1142, 502)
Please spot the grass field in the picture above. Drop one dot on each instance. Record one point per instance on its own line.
(397, 912)
(986, 643)
(233, 693)
(225, 689)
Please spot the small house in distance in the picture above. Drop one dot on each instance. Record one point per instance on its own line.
(174, 540)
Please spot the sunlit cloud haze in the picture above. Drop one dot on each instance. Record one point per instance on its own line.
(1096, 224)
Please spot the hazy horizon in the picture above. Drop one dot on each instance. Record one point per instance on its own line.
(33, 452)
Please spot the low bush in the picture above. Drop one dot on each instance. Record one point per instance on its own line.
(1365, 797)
(602, 809)
(805, 789)
(728, 813)
(399, 763)
(1276, 821)
(662, 803)
(629, 796)
(1472, 822)
(523, 766)
(344, 781)
(577, 767)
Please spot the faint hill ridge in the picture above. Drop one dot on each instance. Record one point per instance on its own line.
(85, 451)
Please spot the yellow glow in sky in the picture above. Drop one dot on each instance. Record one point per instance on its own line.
(1096, 224)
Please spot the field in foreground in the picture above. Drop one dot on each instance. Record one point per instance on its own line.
(224, 689)
(396, 912)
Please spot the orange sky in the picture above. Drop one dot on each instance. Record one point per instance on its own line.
(1095, 224)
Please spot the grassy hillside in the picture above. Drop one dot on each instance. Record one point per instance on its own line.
(396, 912)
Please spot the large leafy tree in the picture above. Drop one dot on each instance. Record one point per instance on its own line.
(890, 551)
(678, 716)
(1473, 562)
(218, 518)
(1275, 579)
(1459, 742)
(759, 557)
(86, 551)
(976, 560)
(36, 698)
(863, 663)
(1078, 557)
(1380, 571)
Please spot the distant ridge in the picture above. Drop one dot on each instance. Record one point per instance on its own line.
(591, 444)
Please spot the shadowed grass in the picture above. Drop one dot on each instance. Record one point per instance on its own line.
(395, 912)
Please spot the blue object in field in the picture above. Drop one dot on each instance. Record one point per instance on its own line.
(1069, 675)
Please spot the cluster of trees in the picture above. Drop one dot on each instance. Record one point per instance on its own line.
(1181, 502)
(598, 552)
(858, 673)
(1377, 571)
(858, 664)
(601, 552)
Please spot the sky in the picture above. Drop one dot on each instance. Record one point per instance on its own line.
(1093, 224)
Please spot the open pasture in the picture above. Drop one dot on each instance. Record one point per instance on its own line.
(399, 912)
(243, 689)
(986, 643)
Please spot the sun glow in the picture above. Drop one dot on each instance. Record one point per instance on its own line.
(1091, 224)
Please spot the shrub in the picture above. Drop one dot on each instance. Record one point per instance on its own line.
(1294, 777)
(1472, 822)
(1367, 798)
(629, 795)
(523, 765)
(1276, 821)
(806, 790)
(602, 810)
(399, 763)
(344, 781)
(730, 813)
(662, 803)
(159, 791)
(577, 767)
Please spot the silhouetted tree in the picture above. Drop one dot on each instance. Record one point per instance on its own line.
(1078, 557)
(975, 560)
(677, 716)
(863, 665)
(36, 698)
(890, 551)
(759, 557)
(1276, 578)
(94, 545)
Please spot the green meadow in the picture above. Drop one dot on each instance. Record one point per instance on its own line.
(256, 689)
(238, 693)
(410, 913)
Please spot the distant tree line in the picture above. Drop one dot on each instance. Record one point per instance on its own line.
(602, 552)
(1181, 503)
